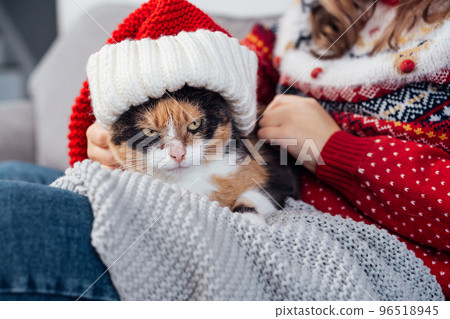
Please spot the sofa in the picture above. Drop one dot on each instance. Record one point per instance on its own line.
(35, 129)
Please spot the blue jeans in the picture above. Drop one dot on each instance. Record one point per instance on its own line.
(45, 249)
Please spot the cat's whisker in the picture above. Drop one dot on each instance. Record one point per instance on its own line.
(113, 163)
(212, 153)
(136, 162)
(132, 163)
(158, 168)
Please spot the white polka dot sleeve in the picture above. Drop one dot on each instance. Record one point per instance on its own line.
(403, 186)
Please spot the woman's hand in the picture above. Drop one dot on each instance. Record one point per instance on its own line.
(98, 148)
(295, 117)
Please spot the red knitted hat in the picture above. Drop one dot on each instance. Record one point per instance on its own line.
(159, 48)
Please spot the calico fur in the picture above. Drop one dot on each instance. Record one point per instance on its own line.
(214, 153)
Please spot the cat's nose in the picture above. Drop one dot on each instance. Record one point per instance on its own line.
(177, 152)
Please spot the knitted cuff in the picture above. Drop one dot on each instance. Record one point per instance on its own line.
(342, 155)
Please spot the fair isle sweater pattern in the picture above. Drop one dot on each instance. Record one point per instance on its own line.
(422, 101)
(406, 85)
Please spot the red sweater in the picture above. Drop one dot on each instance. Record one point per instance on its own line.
(396, 184)
(400, 185)
(391, 174)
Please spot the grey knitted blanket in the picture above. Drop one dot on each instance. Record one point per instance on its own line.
(168, 244)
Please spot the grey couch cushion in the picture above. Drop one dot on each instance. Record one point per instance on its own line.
(57, 80)
(16, 131)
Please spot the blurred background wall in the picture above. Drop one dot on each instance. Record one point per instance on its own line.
(68, 10)
(28, 28)
(44, 46)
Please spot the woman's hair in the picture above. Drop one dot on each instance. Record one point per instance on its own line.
(331, 18)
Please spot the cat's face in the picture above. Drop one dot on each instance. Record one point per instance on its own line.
(166, 136)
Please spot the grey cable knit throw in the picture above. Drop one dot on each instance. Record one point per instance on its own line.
(185, 247)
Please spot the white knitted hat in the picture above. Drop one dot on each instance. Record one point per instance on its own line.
(163, 46)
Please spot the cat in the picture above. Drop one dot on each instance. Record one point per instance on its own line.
(188, 138)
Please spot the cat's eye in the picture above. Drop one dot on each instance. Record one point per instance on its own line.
(195, 125)
(150, 132)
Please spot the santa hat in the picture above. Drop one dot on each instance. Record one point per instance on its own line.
(163, 46)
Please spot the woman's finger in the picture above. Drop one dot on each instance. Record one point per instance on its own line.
(98, 135)
(277, 101)
(270, 132)
(274, 117)
(101, 155)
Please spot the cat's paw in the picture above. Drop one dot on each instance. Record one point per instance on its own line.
(257, 201)
(250, 214)
(255, 219)
(241, 208)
